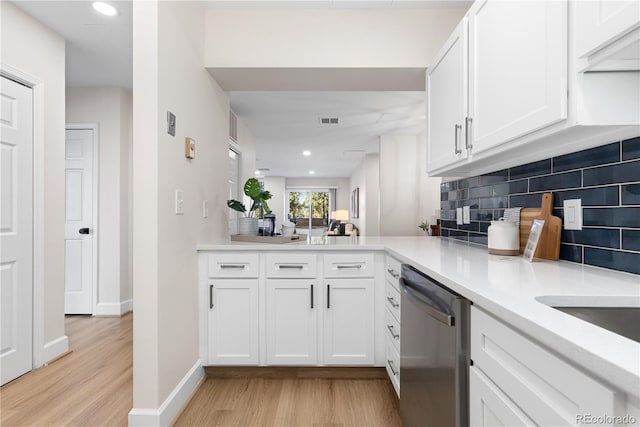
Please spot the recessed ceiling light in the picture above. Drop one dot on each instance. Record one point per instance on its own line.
(306, 153)
(312, 172)
(105, 8)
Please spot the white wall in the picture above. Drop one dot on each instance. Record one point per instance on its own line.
(169, 75)
(247, 143)
(30, 47)
(366, 177)
(399, 192)
(110, 107)
(341, 38)
(429, 187)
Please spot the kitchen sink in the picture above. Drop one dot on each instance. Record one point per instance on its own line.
(623, 321)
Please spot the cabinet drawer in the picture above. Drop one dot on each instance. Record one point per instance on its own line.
(392, 364)
(392, 329)
(349, 265)
(392, 270)
(233, 265)
(545, 387)
(392, 300)
(292, 265)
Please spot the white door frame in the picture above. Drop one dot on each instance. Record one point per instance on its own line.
(37, 86)
(94, 204)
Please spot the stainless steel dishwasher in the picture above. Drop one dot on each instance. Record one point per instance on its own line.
(434, 353)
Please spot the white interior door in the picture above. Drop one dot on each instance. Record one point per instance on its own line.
(79, 228)
(16, 229)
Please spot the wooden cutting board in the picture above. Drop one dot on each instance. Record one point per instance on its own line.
(549, 243)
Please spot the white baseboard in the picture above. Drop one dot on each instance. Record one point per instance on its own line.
(170, 408)
(55, 348)
(114, 308)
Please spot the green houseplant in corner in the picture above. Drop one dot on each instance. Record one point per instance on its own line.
(248, 224)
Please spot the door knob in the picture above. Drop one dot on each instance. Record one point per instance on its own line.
(84, 231)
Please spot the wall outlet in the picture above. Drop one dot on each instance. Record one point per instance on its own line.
(466, 215)
(573, 214)
(179, 202)
(459, 216)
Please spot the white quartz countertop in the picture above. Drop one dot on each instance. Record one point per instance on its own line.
(515, 291)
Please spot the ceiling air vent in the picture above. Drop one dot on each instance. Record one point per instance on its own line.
(328, 120)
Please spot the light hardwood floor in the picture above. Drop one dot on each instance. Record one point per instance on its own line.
(92, 386)
(297, 400)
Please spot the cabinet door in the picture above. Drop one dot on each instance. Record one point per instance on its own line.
(447, 102)
(489, 407)
(348, 322)
(600, 22)
(233, 322)
(517, 69)
(292, 322)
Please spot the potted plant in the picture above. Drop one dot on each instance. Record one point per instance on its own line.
(248, 224)
(424, 226)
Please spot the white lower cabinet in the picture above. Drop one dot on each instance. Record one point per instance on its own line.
(490, 407)
(349, 322)
(233, 323)
(515, 381)
(292, 322)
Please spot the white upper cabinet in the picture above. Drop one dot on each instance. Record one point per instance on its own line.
(517, 70)
(507, 88)
(447, 101)
(608, 34)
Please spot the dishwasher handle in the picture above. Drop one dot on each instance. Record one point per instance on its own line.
(440, 316)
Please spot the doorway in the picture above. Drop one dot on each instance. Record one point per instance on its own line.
(80, 234)
(310, 210)
(16, 229)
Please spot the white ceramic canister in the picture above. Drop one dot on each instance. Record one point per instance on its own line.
(504, 238)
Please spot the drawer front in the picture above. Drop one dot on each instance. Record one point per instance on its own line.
(234, 265)
(548, 389)
(392, 364)
(292, 265)
(392, 300)
(392, 329)
(349, 265)
(392, 271)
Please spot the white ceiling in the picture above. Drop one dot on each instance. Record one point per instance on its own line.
(99, 53)
(98, 48)
(287, 123)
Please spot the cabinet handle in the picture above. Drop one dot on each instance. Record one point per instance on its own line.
(390, 363)
(312, 295)
(232, 266)
(455, 138)
(328, 296)
(290, 266)
(393, 334)
(393, 302)
(393, 273)
(210, 296)
(350, 266)
(467, 133)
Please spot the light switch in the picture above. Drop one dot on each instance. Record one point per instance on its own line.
(179, 202)
(573, 214)
(466, 215)
(205, 209)
(459, 216)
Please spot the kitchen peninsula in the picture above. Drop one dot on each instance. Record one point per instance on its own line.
(519, 342)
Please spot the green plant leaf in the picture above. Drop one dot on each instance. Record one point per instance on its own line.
(236, 205)
(252, 188)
